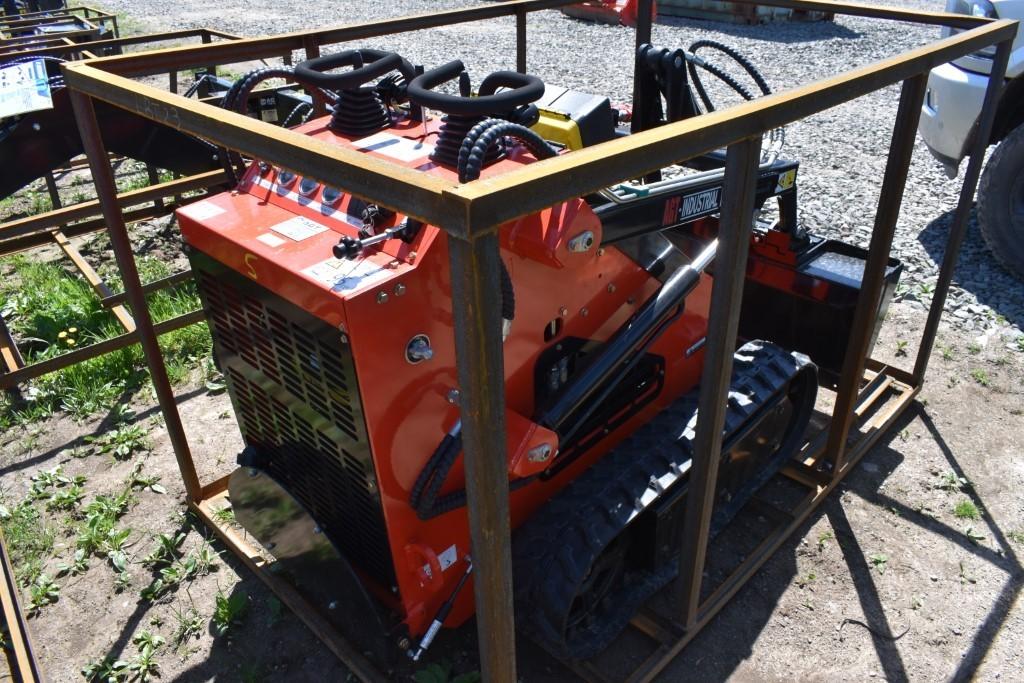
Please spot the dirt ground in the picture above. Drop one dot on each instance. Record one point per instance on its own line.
(885, 551)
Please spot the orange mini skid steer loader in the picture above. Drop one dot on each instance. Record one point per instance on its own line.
(332, 322)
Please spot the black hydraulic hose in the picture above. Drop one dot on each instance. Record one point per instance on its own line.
(238, 95)
(488, 135)
(508, 295)
(720, 75)
(740, 59)
(695, 61)
(423, 497)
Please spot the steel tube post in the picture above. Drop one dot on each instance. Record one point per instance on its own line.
(901, 148)
(106, 191)
(643, 35)
(312, 50)
(958, 229)
(521, 40)
(741, 164)
(476, 295)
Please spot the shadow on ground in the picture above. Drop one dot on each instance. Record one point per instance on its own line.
(778, 32)
(977, 270)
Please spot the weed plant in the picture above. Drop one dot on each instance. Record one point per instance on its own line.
(52, 311)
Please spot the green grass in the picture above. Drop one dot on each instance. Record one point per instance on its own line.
(228, 611)
(966, 509)
(29, 540)
(52, 310)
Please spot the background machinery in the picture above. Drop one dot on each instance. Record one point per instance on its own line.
(332, 322)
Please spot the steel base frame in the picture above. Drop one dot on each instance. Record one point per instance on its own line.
(869, 396)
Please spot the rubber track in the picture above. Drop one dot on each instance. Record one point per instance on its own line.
(554, 550)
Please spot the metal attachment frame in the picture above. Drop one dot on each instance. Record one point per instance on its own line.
(471, 214)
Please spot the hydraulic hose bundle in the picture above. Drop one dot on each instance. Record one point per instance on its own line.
(693, 61)
(776, 137)
(489, 132)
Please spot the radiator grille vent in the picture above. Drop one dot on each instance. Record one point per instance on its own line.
(293, 385)
(333, 484)
(288, 354)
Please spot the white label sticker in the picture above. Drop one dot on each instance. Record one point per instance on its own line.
(448, 557)
(299, 228)
(270, 239)
(201, 211)
(24, 87)
(393, 146)
(344, 276)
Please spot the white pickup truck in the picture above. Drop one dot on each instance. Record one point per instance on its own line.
(948, 121)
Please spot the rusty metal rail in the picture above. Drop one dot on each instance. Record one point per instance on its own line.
(23, 662)
(472, 213)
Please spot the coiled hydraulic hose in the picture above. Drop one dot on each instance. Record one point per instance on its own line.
(423, 496)
(486, 134)
(237, 97)
(776, 138)
(744, 63)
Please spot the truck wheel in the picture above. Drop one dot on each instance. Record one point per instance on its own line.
(1001, 202)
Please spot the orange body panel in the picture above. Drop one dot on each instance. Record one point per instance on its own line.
(386, 297)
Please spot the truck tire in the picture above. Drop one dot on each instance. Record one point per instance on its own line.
(1001, 202)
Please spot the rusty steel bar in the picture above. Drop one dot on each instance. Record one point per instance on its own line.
(642, 34)
(9, 353)
(106, 190)
(530, 188)
(476, 304)
(414, 193)
(901, 149)
(958, 228)
(25, 664)
(741, 166)
(159, 61)
(149, 287)
(27, 40)
(84, 353)
(93, 278)
(520, 40)
(87, 209)
(98, 45)
(312, 51)
(36, 239)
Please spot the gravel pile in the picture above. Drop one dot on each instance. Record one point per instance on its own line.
(842, 151)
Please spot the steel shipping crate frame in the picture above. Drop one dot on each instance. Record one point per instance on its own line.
(870, 396)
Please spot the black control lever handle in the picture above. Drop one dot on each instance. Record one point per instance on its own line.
(522, 89)
(352, 247)
(366, 66)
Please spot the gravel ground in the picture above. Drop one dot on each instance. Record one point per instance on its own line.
(841, 151)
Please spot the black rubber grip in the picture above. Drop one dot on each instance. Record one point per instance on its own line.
(523, 89)
(367, 65)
